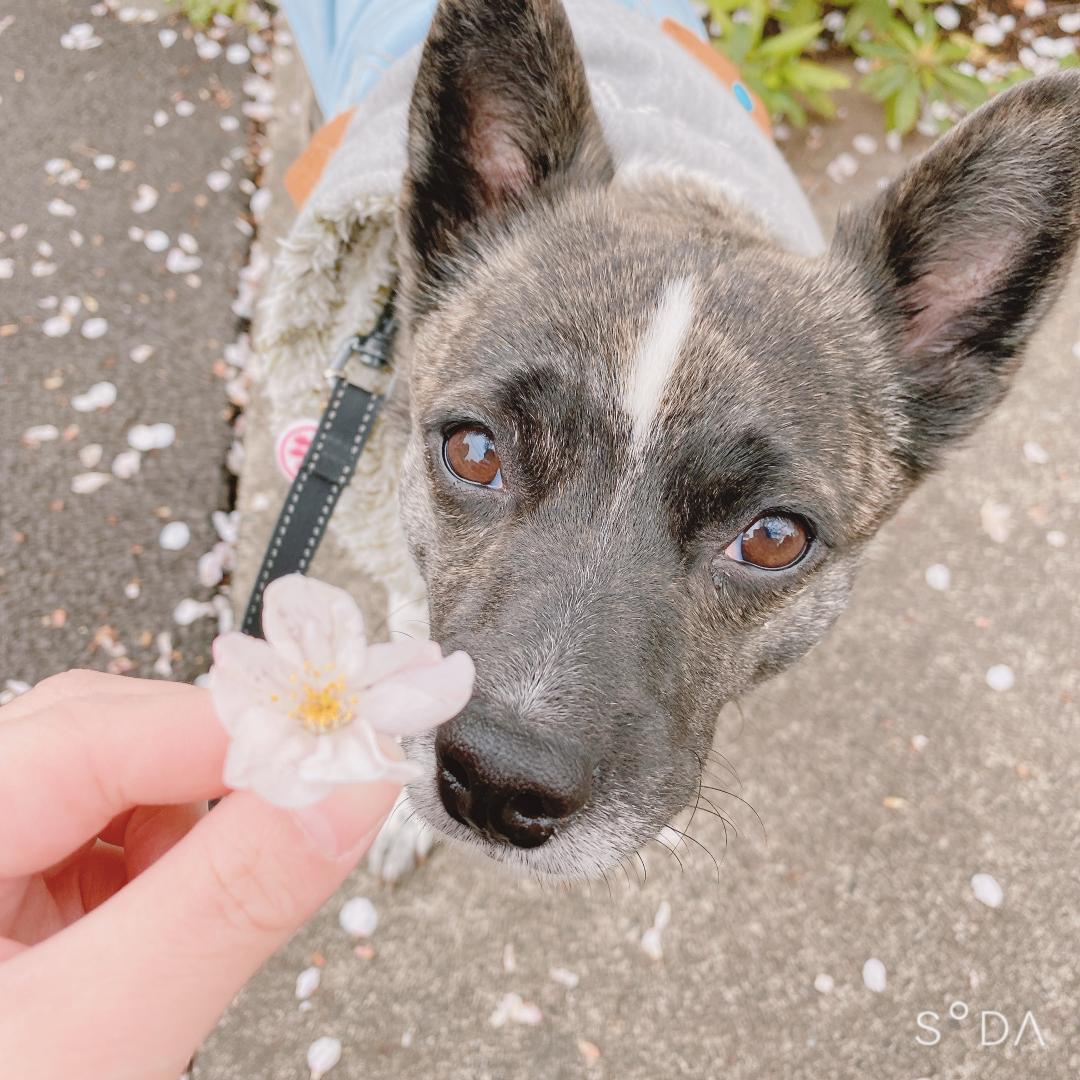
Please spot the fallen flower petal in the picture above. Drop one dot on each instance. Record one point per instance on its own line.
(323, 1054)
(358, 917)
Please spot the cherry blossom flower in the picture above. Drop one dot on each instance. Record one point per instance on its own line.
(314, 705)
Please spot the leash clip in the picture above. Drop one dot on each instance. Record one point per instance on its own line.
(371, 349)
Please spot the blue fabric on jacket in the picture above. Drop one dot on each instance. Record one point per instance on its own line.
(348, 44)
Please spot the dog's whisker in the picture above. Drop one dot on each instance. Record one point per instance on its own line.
(725, 764)
(607, 882)
(733, 795)
(631, 868)
(721, 811)
(742, 716)
(706, 768)
(695, 840)
(697, 803)
(401, 607)
(670, 850)
(644, 871)
(697, 806)
(710, 807)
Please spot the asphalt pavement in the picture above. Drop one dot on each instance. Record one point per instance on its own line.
(121, 236)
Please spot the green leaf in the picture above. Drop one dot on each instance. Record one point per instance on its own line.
(875, 13)
(821, 102)
(966, 89)
(807, 75)
(759, 13)
(877, 50)
(958, 47)
(904, 36)
(202, 12)
(738, 43)
(790, 42)
(902, 110)
(853, 27)
(790, 110)
(721, 9)
(885, 82)
(797, 13)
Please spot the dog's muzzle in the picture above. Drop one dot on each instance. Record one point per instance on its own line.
(511, 784)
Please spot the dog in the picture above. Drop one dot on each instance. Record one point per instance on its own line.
(645, 442)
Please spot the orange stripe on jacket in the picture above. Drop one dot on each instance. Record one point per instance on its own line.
(722, 68)
(304, 173)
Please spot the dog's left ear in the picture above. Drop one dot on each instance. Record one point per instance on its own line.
(966, 250)
(500, 113)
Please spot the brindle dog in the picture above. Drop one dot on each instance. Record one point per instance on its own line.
(647, 447)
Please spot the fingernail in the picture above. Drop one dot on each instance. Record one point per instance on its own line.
(344, 825)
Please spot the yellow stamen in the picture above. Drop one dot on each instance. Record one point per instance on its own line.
(322, 706)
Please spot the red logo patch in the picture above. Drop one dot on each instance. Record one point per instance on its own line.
(292, 446)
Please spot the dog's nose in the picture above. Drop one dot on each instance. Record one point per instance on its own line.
(513, 785)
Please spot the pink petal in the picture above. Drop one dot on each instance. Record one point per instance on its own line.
(264, 755)
(419, 698)
(246, 673)
(308, 621)
(388, 658)
(355, 755)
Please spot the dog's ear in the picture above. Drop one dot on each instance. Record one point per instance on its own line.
(500, 113)
(966, 250)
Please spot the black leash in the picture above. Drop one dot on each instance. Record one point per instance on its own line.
(328, 465)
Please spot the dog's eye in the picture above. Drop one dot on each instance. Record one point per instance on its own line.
(471, 456)
(773, 542)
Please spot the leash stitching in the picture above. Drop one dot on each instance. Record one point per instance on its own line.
(299, 488)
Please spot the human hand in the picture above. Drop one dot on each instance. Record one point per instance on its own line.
(129, 916)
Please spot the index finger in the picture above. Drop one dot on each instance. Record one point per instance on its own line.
(68, 769)
(79, 683)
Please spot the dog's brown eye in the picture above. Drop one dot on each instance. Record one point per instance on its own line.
(773, 542)
(471, 456)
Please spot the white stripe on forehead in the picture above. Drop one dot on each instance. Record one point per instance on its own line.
(656, 355)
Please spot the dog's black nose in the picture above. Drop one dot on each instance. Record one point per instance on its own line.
(511, 784)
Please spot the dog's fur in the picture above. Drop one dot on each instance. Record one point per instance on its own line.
(658, 373)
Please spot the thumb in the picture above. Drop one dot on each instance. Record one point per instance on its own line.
(179, 941)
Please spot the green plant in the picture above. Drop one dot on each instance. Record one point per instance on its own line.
(767, 41)
(915, 64)
(202, 12)
(909, 62)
